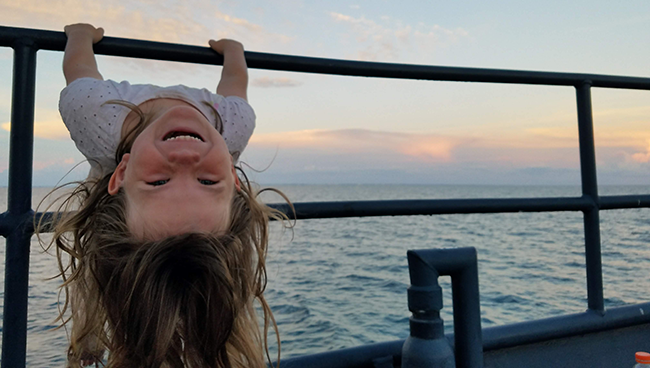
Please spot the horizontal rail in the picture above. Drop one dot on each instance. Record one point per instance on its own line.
(623, 202)
(10, 222)
(412, 207)
(500, 337)
(55, 41)
(311, 210)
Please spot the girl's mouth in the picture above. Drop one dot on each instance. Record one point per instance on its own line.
(177, 135)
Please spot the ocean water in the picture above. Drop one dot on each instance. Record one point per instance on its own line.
(336, 283)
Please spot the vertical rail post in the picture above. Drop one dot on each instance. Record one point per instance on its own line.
(21, 142)
(590, 189)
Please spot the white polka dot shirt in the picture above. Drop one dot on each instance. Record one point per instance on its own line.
(96, 128)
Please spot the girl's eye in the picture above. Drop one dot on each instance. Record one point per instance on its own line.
(207, 182)
(158, 182)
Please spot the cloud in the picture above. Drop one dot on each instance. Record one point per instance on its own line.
(250, 34)
(360, 156)
(46, 129)
(605, 136)
(190, 22)
(49, 126)
(562, 134)
(43, 164)
(641, 157)
(266, 82)
(240, 22)
(388, 42)
(423, 147)
(121, 19)
(360, 148)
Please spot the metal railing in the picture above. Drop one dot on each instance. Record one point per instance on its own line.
(16, 224)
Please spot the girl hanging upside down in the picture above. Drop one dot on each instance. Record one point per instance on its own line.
(162, 249)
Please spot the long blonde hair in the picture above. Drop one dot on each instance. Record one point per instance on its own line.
(183, 301)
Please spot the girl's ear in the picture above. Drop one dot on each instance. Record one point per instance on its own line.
(237, 183)
(115, 183)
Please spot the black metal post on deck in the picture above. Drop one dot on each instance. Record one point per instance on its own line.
(425, 265)
(590, 190)
(14, 329)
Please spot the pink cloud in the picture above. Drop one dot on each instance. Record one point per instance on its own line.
(538, 148)
(42, 164)
(425, 147)
(355, 155)
(641, 157)
(266, 82)
(49, 127)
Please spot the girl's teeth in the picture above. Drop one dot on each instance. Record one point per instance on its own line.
(183, 137)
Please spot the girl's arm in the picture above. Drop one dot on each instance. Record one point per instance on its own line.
(234, 76)
(79, 58)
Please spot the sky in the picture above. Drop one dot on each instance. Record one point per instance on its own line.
(318, 129)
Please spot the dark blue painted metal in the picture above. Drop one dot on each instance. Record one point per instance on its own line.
(625, 201)
(590, 191)
(461, 265)
(426, 345)
(383, 362)
(435, 207)
(357, 357)
(547, 329)
(338, 209)
(14, 330)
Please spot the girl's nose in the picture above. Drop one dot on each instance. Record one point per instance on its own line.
(184, 157)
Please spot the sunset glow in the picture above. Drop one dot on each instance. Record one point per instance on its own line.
(445, 131)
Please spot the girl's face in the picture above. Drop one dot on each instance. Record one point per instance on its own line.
(178, 178)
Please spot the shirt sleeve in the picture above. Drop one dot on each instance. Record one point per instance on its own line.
(80, 105)
(238, 119)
